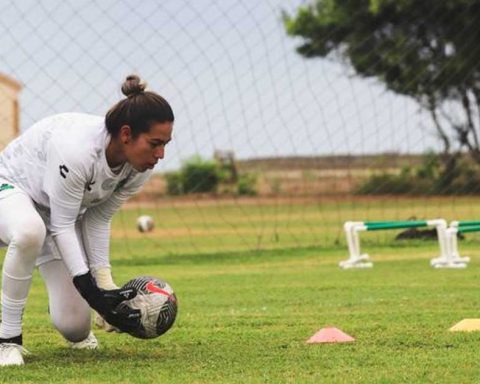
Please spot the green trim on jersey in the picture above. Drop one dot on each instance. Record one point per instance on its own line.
(5, 186)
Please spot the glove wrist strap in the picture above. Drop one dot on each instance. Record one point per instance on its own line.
(103, 277)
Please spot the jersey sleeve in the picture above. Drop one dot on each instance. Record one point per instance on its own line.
(64, 183)
(96, 221)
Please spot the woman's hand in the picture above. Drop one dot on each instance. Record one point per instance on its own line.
(106, 302)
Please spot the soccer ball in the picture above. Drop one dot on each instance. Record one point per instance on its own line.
(157, 303)
(145, 223)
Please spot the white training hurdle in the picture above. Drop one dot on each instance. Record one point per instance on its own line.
(447, 258)
(452, 233)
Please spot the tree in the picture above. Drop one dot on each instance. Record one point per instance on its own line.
(424, 49)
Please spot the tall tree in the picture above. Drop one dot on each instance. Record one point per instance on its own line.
(425, 49)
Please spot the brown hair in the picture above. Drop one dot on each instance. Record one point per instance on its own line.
(138, 110)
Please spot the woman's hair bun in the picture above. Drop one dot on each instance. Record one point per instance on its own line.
(133, 85)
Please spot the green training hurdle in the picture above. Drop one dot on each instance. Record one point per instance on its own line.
(359, 260)
(378, 225)
(465, 223)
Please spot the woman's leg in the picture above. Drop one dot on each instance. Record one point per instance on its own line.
(22, 228)
(69, 312)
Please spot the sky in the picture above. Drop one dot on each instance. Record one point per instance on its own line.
(227, 68)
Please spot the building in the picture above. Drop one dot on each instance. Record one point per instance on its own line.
(9, 109)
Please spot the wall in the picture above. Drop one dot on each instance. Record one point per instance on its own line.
(9, 109)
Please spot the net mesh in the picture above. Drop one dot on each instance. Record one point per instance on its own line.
(302, 135)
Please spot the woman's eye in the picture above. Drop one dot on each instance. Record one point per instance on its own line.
(155, 144)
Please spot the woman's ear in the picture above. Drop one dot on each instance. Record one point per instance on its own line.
(125, 134)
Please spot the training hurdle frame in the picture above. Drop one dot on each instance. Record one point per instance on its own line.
(456, 227)
(359, 260)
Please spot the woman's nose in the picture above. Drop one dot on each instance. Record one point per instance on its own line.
(159, 152)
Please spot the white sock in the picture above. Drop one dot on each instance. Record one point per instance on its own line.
(12, 311)
(16, 281)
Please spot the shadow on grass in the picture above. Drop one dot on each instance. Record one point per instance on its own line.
(229, 257)
(67, 357)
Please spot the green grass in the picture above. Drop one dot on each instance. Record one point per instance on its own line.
(207, 228)
(245, 315)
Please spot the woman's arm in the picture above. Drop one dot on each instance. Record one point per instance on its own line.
(64, 182)
(96, 222)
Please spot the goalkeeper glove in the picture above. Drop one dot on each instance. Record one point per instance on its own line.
(105, 302)
(103, 277)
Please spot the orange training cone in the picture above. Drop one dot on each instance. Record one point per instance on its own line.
(330, 335)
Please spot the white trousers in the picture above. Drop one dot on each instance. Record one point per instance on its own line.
(29, 244)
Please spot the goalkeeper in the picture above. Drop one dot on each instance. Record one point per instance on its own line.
(60, 184)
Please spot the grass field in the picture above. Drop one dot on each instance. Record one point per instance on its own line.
(198, 227)
(245, 314)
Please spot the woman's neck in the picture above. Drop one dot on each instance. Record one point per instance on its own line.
(114, 154)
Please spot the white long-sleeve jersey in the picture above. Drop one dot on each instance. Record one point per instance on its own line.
(60, 162)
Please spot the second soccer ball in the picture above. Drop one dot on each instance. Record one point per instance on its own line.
(145, 223)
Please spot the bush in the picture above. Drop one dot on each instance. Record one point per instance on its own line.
(428, 178)
(386, 184)
(247, 184)
(174, 183)
(199, 175)
(467, 182)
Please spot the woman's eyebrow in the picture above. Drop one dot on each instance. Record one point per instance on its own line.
(160, 141)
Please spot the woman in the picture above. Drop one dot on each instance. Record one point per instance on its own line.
(60, 184)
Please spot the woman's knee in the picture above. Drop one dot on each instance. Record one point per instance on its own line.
(73, 325)
(29, 236)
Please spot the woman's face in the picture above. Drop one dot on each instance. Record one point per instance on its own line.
(144, 151)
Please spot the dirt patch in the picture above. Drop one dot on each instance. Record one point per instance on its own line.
(160, 233)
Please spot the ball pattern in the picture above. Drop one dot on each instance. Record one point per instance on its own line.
(157, 303)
